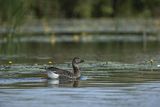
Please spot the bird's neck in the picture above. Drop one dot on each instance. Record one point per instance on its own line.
(76, 70)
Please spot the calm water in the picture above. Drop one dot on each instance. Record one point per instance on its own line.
(23, 84)
(41, 52)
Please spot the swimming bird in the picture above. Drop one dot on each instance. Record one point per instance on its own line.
(57, 73)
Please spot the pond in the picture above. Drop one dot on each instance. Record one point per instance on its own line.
(113, 74)
(29, 50)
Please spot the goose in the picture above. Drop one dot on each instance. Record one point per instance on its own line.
(57, 73)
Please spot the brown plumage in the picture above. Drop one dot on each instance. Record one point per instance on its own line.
(54, 72)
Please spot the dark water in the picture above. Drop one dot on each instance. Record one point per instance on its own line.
(22, 84)
(41, 52)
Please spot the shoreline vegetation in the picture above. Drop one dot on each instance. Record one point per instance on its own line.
(69, 9)
(80, 18)
(15, 12)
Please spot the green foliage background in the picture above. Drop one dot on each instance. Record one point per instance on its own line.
(14, 11)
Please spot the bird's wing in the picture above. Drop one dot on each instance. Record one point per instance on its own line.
(60, 71)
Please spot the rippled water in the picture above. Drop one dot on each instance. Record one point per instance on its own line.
(117, 74)
(131, 96)
(97, 88)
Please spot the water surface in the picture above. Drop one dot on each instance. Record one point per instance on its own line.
(96, 88)
(42, 52)
(114, 74)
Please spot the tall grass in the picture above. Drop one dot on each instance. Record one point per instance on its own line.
(12, 14)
